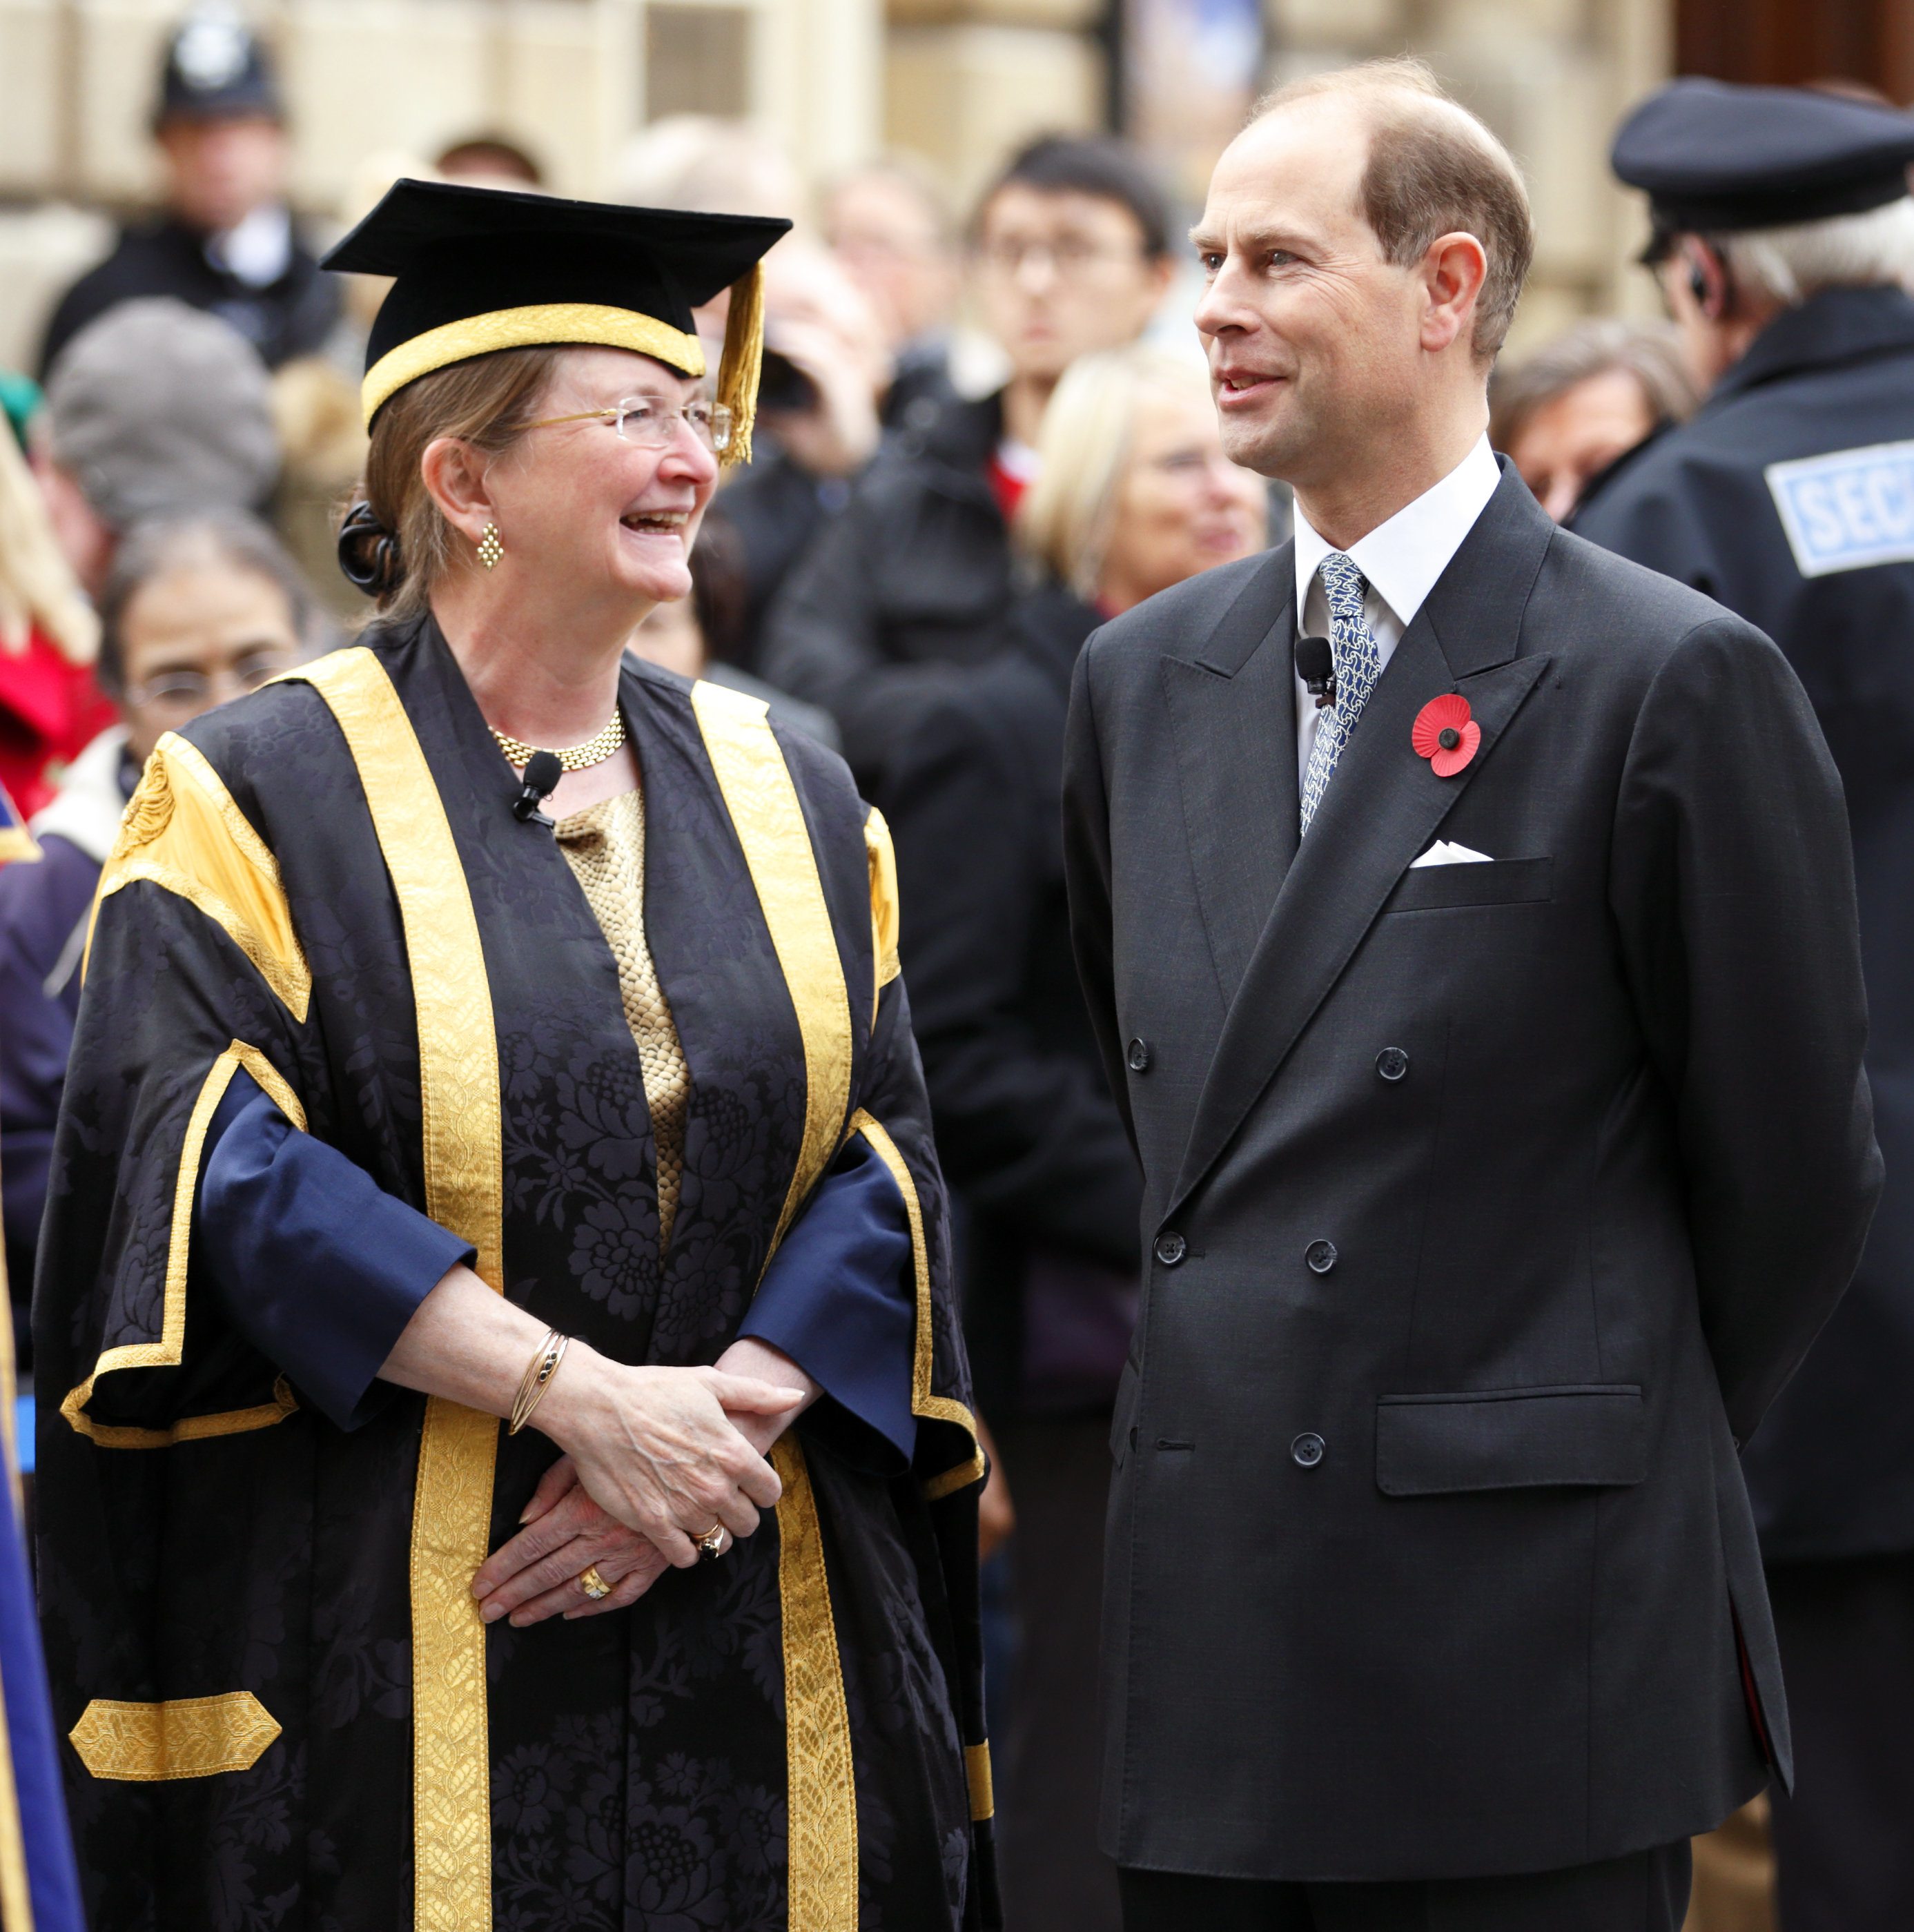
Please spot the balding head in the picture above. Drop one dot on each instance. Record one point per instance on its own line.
(1432, 170)
(1364, 242)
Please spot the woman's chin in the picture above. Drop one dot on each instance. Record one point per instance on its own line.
(662, 577)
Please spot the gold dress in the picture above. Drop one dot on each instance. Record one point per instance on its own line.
(605, 846)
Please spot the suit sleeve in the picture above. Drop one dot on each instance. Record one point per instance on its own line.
(1087, 873)
(1027, 1129)
(1731, 882)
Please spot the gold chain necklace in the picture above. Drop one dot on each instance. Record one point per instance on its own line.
(575, 757)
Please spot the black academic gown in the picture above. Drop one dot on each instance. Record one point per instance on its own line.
(282, 1706)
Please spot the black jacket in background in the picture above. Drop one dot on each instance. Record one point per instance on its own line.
(289, 317)
(1486, 1204)
(914, 576)
(1832, 1471)
(1026, 1130)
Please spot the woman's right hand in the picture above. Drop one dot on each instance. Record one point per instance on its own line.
(654, 1449)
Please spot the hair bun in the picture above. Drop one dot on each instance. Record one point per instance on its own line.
(369, 553)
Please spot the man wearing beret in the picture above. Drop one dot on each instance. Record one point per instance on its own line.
(1490, 1033)
(1784, 238)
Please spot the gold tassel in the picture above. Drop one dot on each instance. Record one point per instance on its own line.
(743, 358)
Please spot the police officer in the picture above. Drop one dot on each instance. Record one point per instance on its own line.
(226, 240)
(1784, 240)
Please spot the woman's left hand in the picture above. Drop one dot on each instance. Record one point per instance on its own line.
(535, 1575)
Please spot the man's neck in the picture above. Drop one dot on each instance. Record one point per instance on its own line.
(1351, 499)
(1025, 398)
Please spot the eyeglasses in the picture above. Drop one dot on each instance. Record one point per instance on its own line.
(192, 691)
(652, 425)
(1072, 259)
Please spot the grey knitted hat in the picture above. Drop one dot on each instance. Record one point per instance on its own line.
(159, 410)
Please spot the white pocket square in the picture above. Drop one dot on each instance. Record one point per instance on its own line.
(1444, 854)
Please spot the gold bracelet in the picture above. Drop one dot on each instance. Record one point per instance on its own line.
(537, 1378)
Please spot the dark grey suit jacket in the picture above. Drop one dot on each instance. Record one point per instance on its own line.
(1429, 1554)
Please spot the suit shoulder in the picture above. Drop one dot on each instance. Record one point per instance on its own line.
(1608, 588)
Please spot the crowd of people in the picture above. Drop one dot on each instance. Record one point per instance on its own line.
(904, 576)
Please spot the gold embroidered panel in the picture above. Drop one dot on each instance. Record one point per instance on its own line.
(183, 831)
(923, 1403)
(168, 1350)
(538, 325)
(821, 1786)
(976, 1773)
(185, 1737)
(885, 909)
(458, 1065)
(769, 822)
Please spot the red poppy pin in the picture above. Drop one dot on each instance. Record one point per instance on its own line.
(1445, 734)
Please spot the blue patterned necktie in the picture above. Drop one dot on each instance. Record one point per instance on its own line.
(1358, 664)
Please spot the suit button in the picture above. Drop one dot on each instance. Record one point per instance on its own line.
(1392, 1063)
(1321, 1256)
(1308, 1450)
(1170, 1248)
(1139, 1055)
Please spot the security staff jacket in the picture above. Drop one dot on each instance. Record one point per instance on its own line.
(1790, 498)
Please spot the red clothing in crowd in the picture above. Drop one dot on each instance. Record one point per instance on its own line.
(50, 710)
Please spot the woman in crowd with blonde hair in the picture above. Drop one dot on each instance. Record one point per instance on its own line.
(1135, 495)
(400, 1108)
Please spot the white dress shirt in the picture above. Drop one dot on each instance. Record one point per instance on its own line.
(1401, 559)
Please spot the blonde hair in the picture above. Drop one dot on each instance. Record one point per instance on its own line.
(38, 589)
(487, 402)
(1066, 519)
(1433, 170)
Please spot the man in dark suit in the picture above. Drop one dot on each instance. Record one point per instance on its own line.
(1784, 237)
(1491, 1036)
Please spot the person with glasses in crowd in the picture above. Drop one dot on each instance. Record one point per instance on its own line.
(1071, 255)
(485, 1025)
(1136, 495)
(194, 612)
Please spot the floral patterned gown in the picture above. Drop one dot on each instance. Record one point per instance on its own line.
(346, 1021)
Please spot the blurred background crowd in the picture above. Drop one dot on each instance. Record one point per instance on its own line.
(985, 427)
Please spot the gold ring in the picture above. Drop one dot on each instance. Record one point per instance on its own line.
(711, 1544)
(592, 1584)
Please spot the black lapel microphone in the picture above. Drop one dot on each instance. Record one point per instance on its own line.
(1315, 665)
(542, 772)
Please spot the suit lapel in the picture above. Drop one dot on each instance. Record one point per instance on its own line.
(1381, 811)
(1233, 717)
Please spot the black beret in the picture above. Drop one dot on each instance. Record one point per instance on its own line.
(477, 269)
(1716, 158)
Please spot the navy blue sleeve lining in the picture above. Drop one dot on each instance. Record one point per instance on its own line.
(839, 1298)
(313, 1262)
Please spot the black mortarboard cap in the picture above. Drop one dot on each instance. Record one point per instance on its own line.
(1717, 159)
(479, 269)
(215, 70)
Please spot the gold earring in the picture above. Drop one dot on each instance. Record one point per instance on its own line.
(489, 548)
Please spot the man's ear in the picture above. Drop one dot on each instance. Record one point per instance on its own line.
(1453, 272)
(454, 475)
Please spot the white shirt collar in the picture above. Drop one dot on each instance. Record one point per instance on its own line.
(1403, 558)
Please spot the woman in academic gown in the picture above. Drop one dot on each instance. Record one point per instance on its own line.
(400, 1106)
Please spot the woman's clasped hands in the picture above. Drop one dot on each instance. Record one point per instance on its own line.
(654, 1459)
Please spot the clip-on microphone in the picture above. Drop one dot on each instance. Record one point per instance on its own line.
(542, 773)
(1315, 665)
